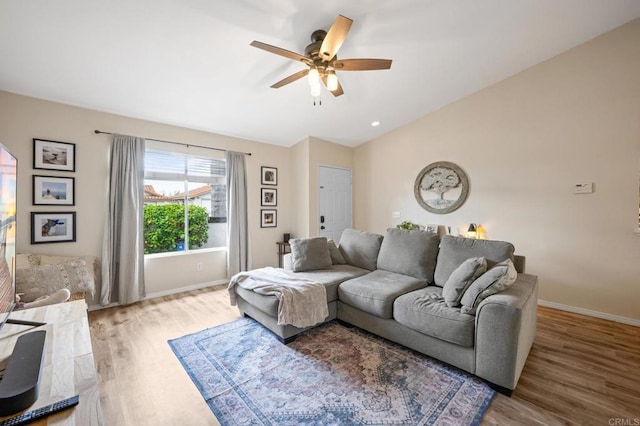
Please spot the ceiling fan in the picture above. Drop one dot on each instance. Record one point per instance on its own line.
(321, 59)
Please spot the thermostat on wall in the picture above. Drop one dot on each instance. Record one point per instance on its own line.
(583, 188)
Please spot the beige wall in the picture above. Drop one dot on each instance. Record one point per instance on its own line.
(524, 143)
(306, 157)
(299, 226)
(23, 118)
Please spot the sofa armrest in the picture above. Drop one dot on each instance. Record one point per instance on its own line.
(287, 263)
(505, 330)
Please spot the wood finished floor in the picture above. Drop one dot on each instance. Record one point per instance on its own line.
(581, 370)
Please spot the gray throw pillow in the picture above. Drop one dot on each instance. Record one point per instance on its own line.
(360, 248)
(455, 250)
(461, 278)
(409, 252)
(336, 257)
(495, 280)
(310, 254)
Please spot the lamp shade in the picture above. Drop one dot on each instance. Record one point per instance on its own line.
(314, 77)
(315, 90)
(332, 80)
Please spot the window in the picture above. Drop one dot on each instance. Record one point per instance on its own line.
(184, 198)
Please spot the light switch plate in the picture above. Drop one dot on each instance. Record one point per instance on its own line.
(583, 188)
(395, 215)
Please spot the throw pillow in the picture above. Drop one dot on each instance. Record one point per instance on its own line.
(495, 280)
(360, 248)
(310, 254)
(455, 250)
(27, 260)
(409, 252)
(44, 280)
(336, 257)
(461, 278)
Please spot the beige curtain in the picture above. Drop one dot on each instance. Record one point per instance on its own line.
(123, 241)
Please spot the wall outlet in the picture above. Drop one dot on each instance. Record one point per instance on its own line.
(583, 188)
(199, 266)
(395, 215)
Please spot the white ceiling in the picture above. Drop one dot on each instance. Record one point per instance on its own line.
(189, 63)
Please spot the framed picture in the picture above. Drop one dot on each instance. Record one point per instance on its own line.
(268, 218)
(53, 227)
(268, 197)
(52, 155)
(269, 175)
(431, 228)
(53, 191)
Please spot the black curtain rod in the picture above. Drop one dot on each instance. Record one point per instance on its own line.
(98, 132)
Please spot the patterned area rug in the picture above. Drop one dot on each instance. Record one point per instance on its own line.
(330, 375)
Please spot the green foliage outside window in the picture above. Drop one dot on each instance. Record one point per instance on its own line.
(164, 227)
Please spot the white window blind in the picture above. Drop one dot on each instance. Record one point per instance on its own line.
(162, 165)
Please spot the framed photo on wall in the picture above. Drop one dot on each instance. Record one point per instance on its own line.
(53, 227)
(269, 175)
(268, 197)
(52, 155)
(268, 218)
(53, 191)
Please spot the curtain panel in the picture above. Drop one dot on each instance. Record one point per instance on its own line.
(238, 254)
(123, 241)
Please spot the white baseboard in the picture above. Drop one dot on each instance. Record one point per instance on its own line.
(166, 293)
(588, 312)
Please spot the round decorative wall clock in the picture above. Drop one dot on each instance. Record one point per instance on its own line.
(441, 187)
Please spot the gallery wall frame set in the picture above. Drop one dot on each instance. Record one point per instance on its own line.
(53, 227)
(268, 197)
(54, 155)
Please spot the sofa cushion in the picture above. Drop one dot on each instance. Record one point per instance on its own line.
(331, 278)
(360, 248)
(375, 292)
(455, 250)
(495, 280)
(44, 280)
(412, 253)
(310, 254)
(461, 278)
(336, 256)
(425, 311)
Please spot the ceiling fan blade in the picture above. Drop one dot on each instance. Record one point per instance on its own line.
(280, 51)
(362, 64)
(335, 37)
(336, 92)
(290, 79)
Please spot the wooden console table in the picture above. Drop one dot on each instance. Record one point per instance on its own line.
(68, 366)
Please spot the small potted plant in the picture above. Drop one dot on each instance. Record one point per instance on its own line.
(407, 224)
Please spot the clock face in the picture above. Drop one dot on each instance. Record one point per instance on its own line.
(441, 187)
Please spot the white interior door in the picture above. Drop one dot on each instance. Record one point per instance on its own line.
(334, 204)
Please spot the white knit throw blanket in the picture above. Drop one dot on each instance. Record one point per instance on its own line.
(302, 302)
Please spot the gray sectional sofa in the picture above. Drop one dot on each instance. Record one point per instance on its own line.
(400, 287)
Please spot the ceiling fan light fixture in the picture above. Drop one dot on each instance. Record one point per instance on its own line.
(314, 77)
(315, 90)
(332, 80)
